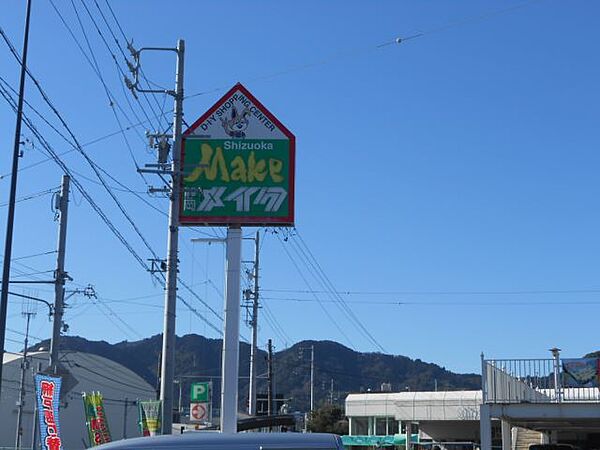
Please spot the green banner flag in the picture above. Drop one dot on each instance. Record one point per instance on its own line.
(149, 417)
(95, 419)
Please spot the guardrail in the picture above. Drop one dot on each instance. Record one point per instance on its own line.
(533, 381)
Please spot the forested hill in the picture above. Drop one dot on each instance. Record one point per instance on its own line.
(350, 371)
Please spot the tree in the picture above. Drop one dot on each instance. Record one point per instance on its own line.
(328, 419)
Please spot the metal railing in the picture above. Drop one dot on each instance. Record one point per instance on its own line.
(531, 381)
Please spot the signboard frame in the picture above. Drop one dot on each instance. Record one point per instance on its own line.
(253, 220)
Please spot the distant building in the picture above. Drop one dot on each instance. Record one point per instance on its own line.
(382, 417)
(523, 402)
(84, 372)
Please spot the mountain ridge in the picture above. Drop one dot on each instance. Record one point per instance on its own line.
(199, 359)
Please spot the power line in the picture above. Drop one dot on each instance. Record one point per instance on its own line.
(119, 45)
(50, 252)
(376, 47)
(20, 333)
(327, 313)
(275, 325)
(118, 66)
(99, 211)
(459, 292)
(32, 196)
(93, 62)
(75, 181)
(329, 285)
(445, 303)
(76, 144)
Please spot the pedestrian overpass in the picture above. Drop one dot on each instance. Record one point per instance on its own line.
(559, 399)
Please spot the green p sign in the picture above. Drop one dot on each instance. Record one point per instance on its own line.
(200, 393)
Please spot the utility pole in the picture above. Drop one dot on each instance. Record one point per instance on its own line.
(125, 418)
(10, 220)
(172, 262)
(62, 205)
(24, 367)
(312, 374)
(168, 347)
(331, 393)
(270, 378)
(34, 434)
(312, 378)
(254, 323)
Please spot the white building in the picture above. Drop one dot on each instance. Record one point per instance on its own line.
(451, 416)
(523, 402)
(86, 372)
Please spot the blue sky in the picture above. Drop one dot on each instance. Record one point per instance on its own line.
(455, 173)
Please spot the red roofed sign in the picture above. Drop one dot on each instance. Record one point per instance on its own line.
(238, 165)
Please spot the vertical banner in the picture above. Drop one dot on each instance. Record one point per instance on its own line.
(47, 393)
(95, 419)
(149, 417)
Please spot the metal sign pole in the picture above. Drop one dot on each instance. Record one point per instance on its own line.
(231, 332)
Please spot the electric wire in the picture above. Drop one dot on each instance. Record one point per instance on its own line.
(275, 325)
(115, 231)
(449, 292)
(119, 45)
(74, 142)
(377, 47)
(310, 257)
(221, 88)
(95, 69)
(118, 66)
(447, 303)
(93, 62)
(49, 252)
(31, 196)
(147, 96)
(317, 298)
(108, 93)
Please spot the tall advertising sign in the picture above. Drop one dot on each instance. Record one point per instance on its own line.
(47, 393)
(238, 165)
(95, 419)
(149, 417)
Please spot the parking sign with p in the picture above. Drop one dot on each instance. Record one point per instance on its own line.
(200, 392)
